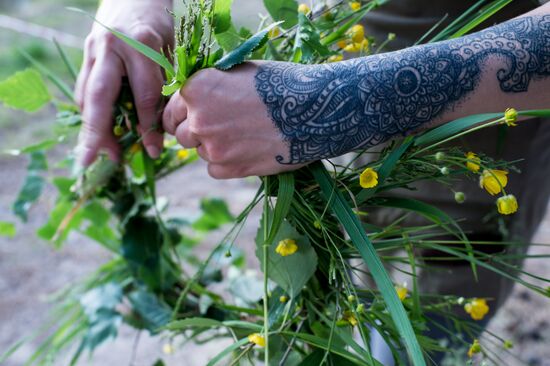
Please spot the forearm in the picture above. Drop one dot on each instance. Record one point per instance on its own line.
(327, 110)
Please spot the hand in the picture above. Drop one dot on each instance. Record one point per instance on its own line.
(222, 115)
(107, 59)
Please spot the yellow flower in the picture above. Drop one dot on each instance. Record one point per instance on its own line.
(507, 205)
(182, 154)
(350, 318)
(355, 5)
(129, 106)
(118, 131)
(493, 181)
(304, 9)
(257, 339)
(369, 178)
(477, 308)
(356, 33)
(475, 348)
(473, 162)
(135, 148)
(353, 47)
(402, 292)
(365, 45)
(274, 32)
(342, 44)
(168, 349)
(283, 299)
(335, 58)
(511, 117)
(286, 247)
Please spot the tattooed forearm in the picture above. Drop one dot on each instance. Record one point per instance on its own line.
(327, 110)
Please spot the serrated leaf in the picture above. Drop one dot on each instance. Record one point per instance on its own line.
(290, 272)
(25, 90)
(222, 16)
(7, 229)
(285, 11)
(241, 53)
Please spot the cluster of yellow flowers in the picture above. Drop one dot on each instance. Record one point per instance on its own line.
(355, 40)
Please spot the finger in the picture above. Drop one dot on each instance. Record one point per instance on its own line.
(83, 75)
(102, 90)
(187, 138)
(174, 113)
(146, 82)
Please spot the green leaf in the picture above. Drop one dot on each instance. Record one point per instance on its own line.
(290, 272)
(155, 313)
(449, 129)
(222, 16)
(193, 323)
(361, 241)
(7, 229)
(25, 90)
(32, 187)
(233, 347)
(285, 11)
(307, 41)
(229, 40)
(99, 306)
(241, 53)
(215, 214)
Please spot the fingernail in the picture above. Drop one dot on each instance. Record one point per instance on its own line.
(153, 151)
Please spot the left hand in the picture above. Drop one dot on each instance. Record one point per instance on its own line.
(221, 114)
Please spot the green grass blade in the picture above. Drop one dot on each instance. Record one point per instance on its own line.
(70, 67)
(486, 13)
(220, 356)
(360, 240)
(284, 199)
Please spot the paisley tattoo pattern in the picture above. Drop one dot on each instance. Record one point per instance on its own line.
(327, 110)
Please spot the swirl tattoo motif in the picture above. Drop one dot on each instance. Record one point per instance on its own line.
(327, 110)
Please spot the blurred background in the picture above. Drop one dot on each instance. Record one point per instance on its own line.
(32, 270)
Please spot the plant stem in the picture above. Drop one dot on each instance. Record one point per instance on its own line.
(265, 268)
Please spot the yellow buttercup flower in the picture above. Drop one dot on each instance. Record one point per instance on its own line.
(356, 33)
(350, 318)
(274, 32)
(477, 308)
(342, 44)
(335, 58)
(402, 292)
(257, 339)
(355, 5)
(353, 47)
(475, 348)
(511, 117)
(304, 9)
(369, 178)
(182, 154)
(118, 131)
(365, 45)
(286, 247)
(473, 162)
(507, 205)
(493, 180)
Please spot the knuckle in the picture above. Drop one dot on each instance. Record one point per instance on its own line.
(147, 100)
(216, 153)
(146, 34)
(108, 40)
(89, 42)
(98, 90)
(197, 126)
(218, 172)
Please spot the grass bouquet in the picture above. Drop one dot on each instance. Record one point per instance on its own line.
(326, 281)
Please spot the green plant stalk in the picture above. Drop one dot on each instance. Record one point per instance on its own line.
(265, 248)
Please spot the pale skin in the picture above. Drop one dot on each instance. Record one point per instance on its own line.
(225, 116)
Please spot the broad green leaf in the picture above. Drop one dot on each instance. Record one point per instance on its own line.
(193, 323)
(25, 90)
(361, 241)
(7, 229)
(290, 272)
(308, 42)
(32, 187)
(241, 53)
(99, 306)
(215, 214)
(154, 312)
(222, 16)
(285, 11)
(229, 40)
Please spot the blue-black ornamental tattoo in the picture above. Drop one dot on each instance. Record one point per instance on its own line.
(327, 110)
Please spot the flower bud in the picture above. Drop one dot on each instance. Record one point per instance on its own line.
(460, 197)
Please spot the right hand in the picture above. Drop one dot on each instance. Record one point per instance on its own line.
(107, 59)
